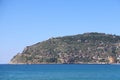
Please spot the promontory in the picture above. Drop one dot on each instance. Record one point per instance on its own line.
(87, 48)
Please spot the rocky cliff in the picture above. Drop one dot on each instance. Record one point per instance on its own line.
(82, 48)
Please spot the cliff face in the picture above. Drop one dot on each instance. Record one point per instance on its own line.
(82, 48)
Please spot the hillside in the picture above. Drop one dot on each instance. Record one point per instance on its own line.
(98, 48)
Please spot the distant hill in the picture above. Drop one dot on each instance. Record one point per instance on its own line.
(98, 48)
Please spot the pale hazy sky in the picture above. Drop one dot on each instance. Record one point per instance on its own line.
(26, 22)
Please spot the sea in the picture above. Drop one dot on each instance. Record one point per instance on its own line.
(60, 72)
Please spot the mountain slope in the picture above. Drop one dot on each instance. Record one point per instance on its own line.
(82, 48)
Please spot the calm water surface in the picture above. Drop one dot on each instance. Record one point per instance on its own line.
(60, 72)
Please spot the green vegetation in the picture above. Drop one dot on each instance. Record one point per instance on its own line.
(82, 48)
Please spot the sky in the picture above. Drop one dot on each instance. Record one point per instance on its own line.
(26, 22)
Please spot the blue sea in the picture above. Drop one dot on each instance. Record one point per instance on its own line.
(60, 72)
